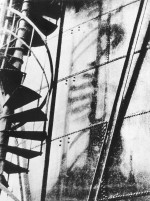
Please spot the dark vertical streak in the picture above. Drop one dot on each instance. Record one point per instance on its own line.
(92, 115)
(108, 35)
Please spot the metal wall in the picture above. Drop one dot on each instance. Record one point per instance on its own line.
(94, 47)
(95, 42)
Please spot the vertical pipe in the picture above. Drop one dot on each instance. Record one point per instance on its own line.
(17, 62)
(52, 109)
(22, 33)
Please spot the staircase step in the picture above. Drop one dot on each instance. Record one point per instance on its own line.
(31, 115)
(29, 135)
(45, 26)
(21, 96)
(37, 41)
(3, 181)
(11, 168)
(23, 152)
(47, 8)
(10, 78)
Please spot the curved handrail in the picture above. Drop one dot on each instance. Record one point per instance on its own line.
(10, 32)
(43, 37)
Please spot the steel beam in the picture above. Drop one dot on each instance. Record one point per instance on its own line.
(52, 108)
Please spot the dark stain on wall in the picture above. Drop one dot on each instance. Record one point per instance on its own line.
(116, 35)
(78, 98)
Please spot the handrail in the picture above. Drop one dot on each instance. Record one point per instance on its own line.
(10, 32)
(43, 37)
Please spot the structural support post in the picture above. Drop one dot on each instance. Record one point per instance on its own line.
(53, 101)
(4, 95)
(96, 183)
(22, 33)
(126, 100)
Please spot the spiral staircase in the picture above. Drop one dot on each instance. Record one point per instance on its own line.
(14, 93)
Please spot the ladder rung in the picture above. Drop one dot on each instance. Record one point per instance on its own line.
(47, 9)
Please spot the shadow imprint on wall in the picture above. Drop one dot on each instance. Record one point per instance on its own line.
(77, 180)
